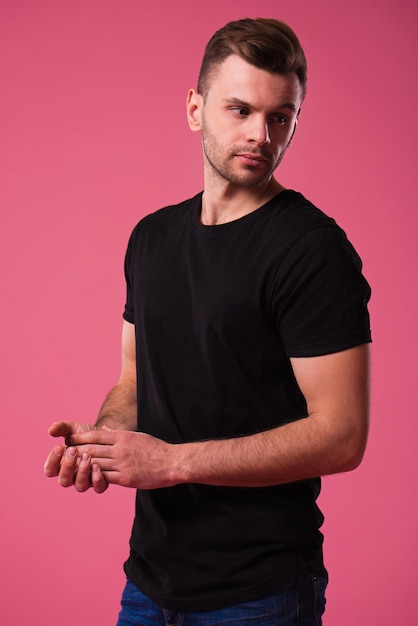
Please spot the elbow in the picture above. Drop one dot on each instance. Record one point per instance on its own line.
(349, 444)
(352, 461)
(352, 451)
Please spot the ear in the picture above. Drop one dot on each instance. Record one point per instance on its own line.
(194, 106)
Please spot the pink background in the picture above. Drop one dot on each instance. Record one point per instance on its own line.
(93, 136)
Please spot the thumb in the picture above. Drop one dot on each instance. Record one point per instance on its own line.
(104, 427)
(60, 429)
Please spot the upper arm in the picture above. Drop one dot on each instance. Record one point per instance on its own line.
(128, 359)
(336, 390)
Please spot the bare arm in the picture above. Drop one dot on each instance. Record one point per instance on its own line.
(119, 410)
(331, 439)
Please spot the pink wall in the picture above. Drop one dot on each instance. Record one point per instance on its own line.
(93, 136)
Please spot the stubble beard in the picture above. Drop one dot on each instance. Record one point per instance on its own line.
(221, 163)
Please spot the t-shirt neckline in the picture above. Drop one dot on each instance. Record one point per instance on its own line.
(228, 227)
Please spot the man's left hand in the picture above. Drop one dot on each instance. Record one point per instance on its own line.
(127, 458)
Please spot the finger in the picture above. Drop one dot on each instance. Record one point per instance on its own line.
(82, 480)
(112, 477)
(98, 480)
(101, 437)
(68, 468)
(53, 462)
(60, 429)
(97, 452)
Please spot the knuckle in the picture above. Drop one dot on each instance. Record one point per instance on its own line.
(69, 461)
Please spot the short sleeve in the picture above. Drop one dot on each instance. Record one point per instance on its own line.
(320, 295)
(128, 313)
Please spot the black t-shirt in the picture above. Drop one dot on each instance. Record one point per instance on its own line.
(218, 311)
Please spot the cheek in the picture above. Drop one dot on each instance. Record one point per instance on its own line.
(282, 138)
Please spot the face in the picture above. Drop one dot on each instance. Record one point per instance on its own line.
(247, 121)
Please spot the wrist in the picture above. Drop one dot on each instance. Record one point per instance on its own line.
(188, 464)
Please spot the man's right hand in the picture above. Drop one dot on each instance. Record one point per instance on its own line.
(64, 463)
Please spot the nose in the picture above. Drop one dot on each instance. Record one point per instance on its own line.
(258, 130)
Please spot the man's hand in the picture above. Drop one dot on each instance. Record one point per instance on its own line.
(128, 458)
(65, 463)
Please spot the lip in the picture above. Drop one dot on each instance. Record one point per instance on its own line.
(252, 159)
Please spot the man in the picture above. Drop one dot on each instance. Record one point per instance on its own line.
(244, 365)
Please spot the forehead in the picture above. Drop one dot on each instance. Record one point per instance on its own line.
(235, 78)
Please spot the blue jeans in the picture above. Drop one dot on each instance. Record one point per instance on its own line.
(301, 604)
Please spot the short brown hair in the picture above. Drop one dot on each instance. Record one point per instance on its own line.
(268, 44)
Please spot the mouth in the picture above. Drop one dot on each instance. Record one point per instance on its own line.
(254, 160)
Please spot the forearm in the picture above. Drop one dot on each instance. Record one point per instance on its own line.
(303, 449)
(119, 410)
(331, 439)
(310, 447)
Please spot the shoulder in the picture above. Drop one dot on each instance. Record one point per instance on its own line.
(299, 216)
(165, 217)
(312, 229)
(315, 243)
(158, 228)
(291, 224)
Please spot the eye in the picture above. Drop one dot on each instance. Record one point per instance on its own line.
(239, 111)
(279, 118)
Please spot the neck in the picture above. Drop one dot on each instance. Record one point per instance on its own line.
(222, 205)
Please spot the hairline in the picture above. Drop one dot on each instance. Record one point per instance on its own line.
(204, 85)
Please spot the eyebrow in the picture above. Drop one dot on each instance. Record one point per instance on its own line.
(285, 105)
